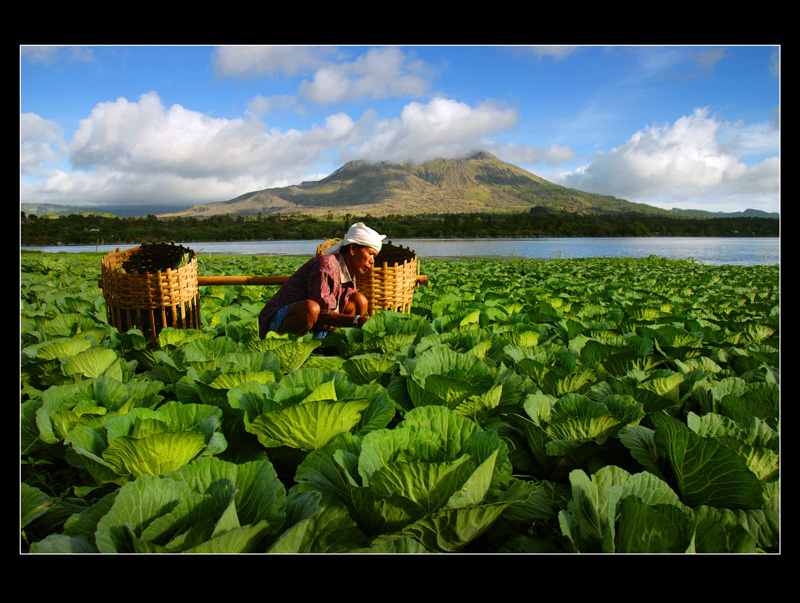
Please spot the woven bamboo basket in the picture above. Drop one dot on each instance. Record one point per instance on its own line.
(391, 283)
(142, 291)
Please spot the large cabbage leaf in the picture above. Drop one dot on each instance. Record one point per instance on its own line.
(208, 506)
(66, 407)
(705, 471)
(436, 478)
(147, 441)
(655, 519)
(442, 376)
(309, 407)
(308, 425)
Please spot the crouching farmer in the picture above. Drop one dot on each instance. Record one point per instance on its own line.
(322, 294)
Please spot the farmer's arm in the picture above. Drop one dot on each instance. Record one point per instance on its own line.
(353, 314)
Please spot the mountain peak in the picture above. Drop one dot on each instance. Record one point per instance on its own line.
(482, 156)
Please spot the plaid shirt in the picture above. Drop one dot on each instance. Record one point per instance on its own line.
(323, 279)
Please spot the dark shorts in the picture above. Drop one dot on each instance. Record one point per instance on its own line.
(277, 320)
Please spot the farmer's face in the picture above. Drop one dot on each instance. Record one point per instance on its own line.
(360, 259)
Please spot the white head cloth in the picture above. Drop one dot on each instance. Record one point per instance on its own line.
(360, 234)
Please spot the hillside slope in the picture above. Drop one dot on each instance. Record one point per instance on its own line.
(480, 183)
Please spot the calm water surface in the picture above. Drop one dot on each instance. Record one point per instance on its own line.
(744, 251)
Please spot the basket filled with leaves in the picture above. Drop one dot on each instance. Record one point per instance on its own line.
(151, 287)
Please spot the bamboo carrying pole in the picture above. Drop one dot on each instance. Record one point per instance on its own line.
(422, 279)
(241, 280)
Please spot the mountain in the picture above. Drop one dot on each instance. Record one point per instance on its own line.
(480, 183)
(748, 213)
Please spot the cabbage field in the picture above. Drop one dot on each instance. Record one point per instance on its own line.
(524, 406)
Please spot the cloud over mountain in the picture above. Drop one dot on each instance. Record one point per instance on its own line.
(696, 155)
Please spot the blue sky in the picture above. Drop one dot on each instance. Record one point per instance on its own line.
(672, 126)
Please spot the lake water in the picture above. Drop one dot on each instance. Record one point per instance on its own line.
(744, 251)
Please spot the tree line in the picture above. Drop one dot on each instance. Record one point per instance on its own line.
(77, 229)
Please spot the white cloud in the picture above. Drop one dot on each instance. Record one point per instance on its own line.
(439, 128)
(50, 54)
(261, 61)
(695, 161)
(524, 155)
(678, 63)
(335, 76)
(40, 143)
(261, 106)
(378, 73)
(145, 137)
(555, 52)
(39, 54)
(130, 151)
